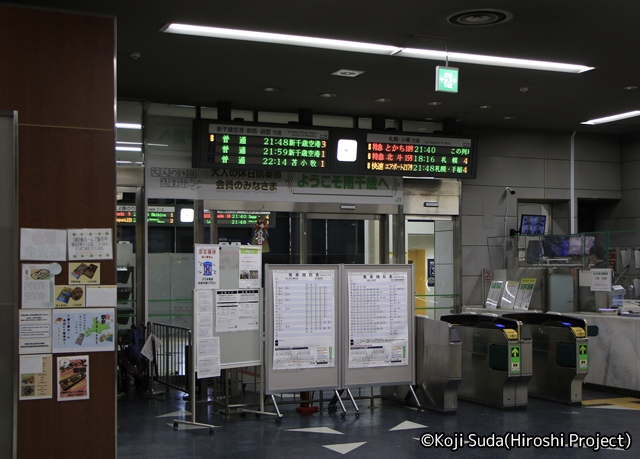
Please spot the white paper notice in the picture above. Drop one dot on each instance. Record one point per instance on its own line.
(37, 286)
(250, 267)
(43, 244)
(90, 244)
(601, 280)
(207, 266)
(203, 313)
(152, 343)
(208, 357)
(378, 319)
(102, 296)
(304, 319)
(34, 331)
(237, 310)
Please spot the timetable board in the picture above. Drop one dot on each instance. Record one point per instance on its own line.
(248, 146)
(420, 156)
(302, 328)
(378, 311)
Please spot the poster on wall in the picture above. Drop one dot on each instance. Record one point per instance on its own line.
(237, 310)
(43, 244)
(86, 330)
(84, 273)
(207, 266)
(34, 335)
(90, 244)
(250, 267)
(69, 296)
(37, 286)
(73, 378)
(36, 377)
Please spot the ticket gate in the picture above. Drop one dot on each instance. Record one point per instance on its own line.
(438, 365)
(560, 355)
(496, 359)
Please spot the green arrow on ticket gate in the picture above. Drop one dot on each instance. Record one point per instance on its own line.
(514, 360)
(583, 357)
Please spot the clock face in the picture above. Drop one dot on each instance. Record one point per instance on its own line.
(347, 150)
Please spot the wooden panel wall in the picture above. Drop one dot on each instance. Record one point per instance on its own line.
(58, 73)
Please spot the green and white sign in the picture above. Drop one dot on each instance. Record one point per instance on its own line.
(514, 360)
(583, 356)
(447, 79)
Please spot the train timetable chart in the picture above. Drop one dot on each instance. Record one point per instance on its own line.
(303, 319)
(378, 318)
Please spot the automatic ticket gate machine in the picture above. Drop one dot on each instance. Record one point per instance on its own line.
(438, 365)
(496, 359)
(560, 355)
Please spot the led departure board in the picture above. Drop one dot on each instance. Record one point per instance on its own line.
(420, 156)
(230, 146)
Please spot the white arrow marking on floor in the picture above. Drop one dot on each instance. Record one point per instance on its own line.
(188, 426)
(344, 448)
(322, 430)
(612, 407)
(174, 414)
(406, 425)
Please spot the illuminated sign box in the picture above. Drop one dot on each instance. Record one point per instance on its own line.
(219, 145)
(420, 156)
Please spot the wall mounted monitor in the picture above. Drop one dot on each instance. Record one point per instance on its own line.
(228, 145)
(410, 155)
(533, 224)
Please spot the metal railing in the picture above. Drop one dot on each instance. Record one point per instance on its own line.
(171, 365)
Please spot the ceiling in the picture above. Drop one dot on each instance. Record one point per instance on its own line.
(187, 70)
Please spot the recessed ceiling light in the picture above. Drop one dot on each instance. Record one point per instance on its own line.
(348, 73)
(327, 95)
(630, 88)
(270, 89)
(382, 100)
(475, 18)
(428, 119)
(434, 103)
(485, 106)
(128, 126)
(508, 117)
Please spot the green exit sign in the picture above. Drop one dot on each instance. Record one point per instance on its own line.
(447, 79)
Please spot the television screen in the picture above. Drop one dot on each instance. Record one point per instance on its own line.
(532, 224)
(556, 246)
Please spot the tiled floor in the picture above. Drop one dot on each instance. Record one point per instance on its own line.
(390, 431)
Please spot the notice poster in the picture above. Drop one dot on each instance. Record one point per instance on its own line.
(69, 296)
(304, 319)
(600, 280)
(86, 330)
(34, 336)
(509, 294)
(378, 319)
(36, 377)
(207, 266)
(73, 378)
(37, 286)
(525, 292)
(494, 295)
(208, 359)
(250, 267)
(90, 244)
(203, 305)
(43, 244)
(84, 273)
(237, 310)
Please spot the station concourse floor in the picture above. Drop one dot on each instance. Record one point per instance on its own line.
(389, 431)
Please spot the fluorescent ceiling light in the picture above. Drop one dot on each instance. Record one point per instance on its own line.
(265, 37)
(371, 48)
(609, 119)
(492, 60)
(128, 126)
(128, 149)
